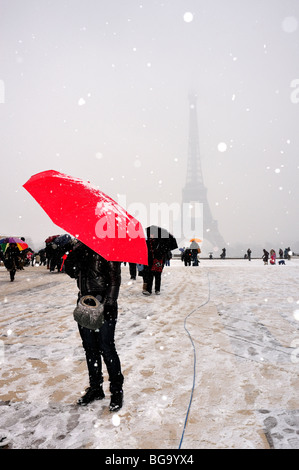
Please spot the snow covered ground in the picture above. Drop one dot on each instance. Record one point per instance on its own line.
(243, 318)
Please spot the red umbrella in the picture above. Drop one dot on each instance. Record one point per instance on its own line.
(90, 216)
(51, 238)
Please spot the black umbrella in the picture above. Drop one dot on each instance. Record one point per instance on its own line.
(166, 239)
(63, 240)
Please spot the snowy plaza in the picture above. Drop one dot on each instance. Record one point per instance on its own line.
(242, 317)
(121, 116)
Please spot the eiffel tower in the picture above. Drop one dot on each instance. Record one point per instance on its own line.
(195, 190)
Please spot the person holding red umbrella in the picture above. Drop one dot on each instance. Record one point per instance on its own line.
(107, 235)
(101, 279)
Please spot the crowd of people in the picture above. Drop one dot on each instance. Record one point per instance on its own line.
(271, 257)
(15, 259)
(190, 256)
(53, 257)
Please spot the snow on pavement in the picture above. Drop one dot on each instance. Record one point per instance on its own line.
(243, 318)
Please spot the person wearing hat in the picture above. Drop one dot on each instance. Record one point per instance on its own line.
(101, 279)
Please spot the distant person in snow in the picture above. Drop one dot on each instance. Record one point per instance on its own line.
(12, 260)
(153, 271)
(187, 257)
(223, 254)
(168, 257)
(265, 256)
(249, 254)
(100, 278)
(195, 250)
(272, 257)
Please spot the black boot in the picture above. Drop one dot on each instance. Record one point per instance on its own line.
(91, 395)
(116, 401)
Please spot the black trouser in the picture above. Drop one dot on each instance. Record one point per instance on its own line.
(133, 270)
(194, 257)
(98, 344)
(12, 273)
(151, 275)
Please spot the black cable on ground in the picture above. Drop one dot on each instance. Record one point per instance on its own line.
(194, 360)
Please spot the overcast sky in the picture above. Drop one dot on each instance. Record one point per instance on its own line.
(98, 89)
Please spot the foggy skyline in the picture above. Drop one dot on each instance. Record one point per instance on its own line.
(99, 90)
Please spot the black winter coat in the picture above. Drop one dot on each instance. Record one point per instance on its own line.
(155, 249)
(94, 274)
(12, 258)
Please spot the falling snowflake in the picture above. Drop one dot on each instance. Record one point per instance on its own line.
(222, 147)
(188, 17)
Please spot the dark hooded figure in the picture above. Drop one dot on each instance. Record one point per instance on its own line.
(265, 256)
(153, 271)
(187, 257)
(12, 260)
(159, 243)
(100, 278)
